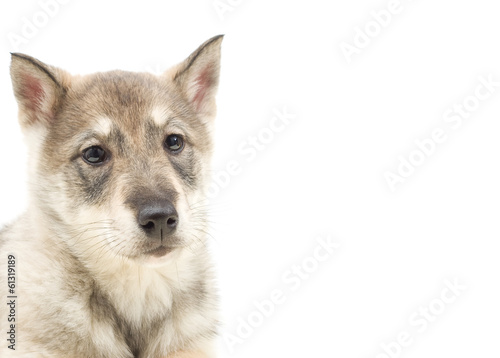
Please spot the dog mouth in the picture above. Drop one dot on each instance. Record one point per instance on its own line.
(159, 251)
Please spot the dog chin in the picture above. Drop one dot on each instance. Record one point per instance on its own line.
(160, 256)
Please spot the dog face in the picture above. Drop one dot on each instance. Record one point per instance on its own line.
(119, 161)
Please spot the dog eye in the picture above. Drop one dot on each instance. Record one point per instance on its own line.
(174, 143)
(94, 155)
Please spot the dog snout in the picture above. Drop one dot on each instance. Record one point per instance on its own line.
(158, 218)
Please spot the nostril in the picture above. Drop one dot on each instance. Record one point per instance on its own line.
(172, 222)
(149, 226)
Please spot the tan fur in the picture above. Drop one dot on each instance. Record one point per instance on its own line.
(191, 354)
(88, 283)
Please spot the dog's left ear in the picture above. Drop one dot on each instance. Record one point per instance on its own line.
(198, 77)
(38, 88)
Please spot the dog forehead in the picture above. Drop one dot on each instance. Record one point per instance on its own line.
(118, 94)
(122, 99)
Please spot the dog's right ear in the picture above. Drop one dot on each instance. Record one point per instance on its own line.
(38, 89)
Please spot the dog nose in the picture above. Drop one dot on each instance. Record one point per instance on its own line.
(158, 218)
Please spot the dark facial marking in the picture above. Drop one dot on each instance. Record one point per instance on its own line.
(92, 181)
(185, 167)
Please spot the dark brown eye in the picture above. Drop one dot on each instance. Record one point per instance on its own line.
(174, 143)
(94, 155)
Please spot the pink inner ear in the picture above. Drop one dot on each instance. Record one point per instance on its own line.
(204, 81)
(33, 92)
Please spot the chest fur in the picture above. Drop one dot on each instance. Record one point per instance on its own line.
(160, 317)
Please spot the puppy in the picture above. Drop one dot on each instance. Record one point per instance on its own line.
(109, 260)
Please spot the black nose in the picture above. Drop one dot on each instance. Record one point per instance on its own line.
(158, 218)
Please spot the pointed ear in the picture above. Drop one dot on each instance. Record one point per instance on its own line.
(38, 88)
(198, 77)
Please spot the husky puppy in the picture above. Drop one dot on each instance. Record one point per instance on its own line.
(109, 260)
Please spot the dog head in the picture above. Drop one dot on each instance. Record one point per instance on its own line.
(119, 161)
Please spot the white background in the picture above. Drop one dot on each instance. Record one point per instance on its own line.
(324, 174)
